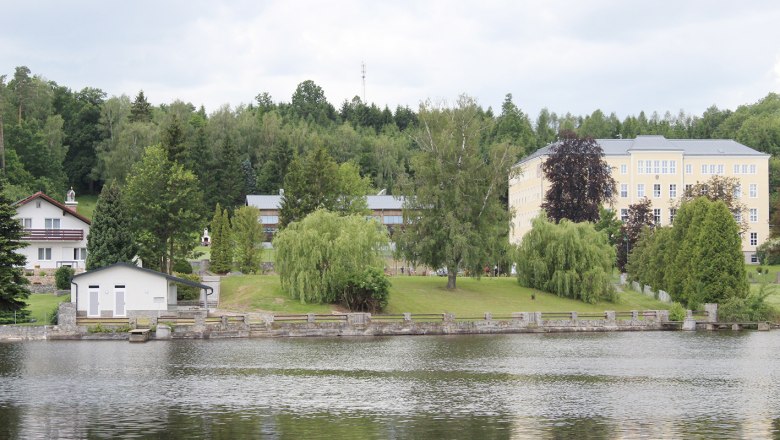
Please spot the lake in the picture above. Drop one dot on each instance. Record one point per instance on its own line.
(594, 385)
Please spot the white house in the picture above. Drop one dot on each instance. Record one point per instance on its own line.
(56, 234)
(123, 289)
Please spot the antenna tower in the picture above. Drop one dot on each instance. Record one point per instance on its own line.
(363, 66)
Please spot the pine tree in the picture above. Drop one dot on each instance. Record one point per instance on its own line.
(13, 284)
(248, 236)
(221, 246)
(110, 238)
(229, 178)
(141, 110)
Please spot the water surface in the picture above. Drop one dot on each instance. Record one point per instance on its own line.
(595, 385)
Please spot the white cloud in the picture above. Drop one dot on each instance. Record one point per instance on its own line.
(567, 56)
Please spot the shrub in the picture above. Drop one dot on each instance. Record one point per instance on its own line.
(677, 312)
(749, 309)
(184, 292)
(63, 276)
(182, 266)
(366, 291)
(54, 315)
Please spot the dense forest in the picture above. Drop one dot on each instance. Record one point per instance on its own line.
(52, 137)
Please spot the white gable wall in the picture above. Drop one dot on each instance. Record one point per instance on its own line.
(144, 291)
(38, 210)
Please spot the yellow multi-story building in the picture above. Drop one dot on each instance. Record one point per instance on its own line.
(659, 169)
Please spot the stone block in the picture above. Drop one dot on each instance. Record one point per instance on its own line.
(712, 312)
(163, 332)
(689, 324)
(488, 316)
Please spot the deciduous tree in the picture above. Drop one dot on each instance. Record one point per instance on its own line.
(580, 179)
(452, 211)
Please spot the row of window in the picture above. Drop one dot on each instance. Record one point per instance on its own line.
(79, 254)
(752, 212)
(656, 167)
(640, 190)
(670, 167)
(49, 223)
(388, 219)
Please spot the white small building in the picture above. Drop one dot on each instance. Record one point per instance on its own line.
(123, 289)
(56, 234)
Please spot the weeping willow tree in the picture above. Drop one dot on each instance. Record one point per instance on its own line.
(318, 256)
(572, 260)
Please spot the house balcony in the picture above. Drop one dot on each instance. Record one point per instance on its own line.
(53, 235)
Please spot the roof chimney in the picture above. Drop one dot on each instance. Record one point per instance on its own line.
(70, 200)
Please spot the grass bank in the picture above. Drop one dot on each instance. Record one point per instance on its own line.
(246, 293)
(41, 306)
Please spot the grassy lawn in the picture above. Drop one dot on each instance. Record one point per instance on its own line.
(426, 295)
(87, 205)
(41, 306)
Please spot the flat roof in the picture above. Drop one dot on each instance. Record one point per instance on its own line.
(375, 203)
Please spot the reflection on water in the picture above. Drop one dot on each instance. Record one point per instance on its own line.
(608, 385)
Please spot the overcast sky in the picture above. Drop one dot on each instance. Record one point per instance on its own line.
(568, 56)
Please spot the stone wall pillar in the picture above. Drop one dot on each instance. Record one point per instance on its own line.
(200, 322)
(488, 316)
(449, 317)
(662, 315)
(610, 315)
(66, 317)
(712, 312)
(574, 316)
(358, 319)
(407, 317)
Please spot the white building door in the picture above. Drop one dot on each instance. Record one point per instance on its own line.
(119, 303)
(94, 301)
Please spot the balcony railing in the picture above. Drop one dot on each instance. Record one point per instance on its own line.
(53, 235)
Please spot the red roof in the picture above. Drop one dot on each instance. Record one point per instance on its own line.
(65, 209)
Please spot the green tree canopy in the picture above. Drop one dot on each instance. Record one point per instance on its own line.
(247, 234)
(572, 260)
(221, 242)
(317, 257)
(452, 210)
(165, 201)
(110, 239)
(13, 284)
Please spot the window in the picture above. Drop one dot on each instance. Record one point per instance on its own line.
(26, 223)
(672, 214)
(393, 219)
(753, 190)
(672, 167)
(688, 168)
(641, 166)
(704, 169)
(657, 216)
(52, 223)
(80, 254)
(664, 167)
(44, 254)
(688, 187)
(720, 169)
(648, 167)
(640, 190)
(737, 191)
(752, 169)
(624, 214)
(754, 258)
(736, 169)
(657, 166)
(269, 230)
(623, 169)
(672, 190)
(713, 169)
(753, 215)
(624, 190)
(754, 238)
(269, 219)
(737, 216)
(744, 169)
(656, 190)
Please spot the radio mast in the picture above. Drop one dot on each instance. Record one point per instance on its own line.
(363, 69)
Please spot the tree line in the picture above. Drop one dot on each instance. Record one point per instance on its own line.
(52, 137)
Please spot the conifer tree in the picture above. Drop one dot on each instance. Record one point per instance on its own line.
(229, 177)
(110, 238)
(221, 243)
(13, 284)
(719, 263)
(141, 110)
(247, 233)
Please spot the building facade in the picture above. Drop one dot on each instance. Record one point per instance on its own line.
(55, 233)
(660, 170)
(387, 210)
